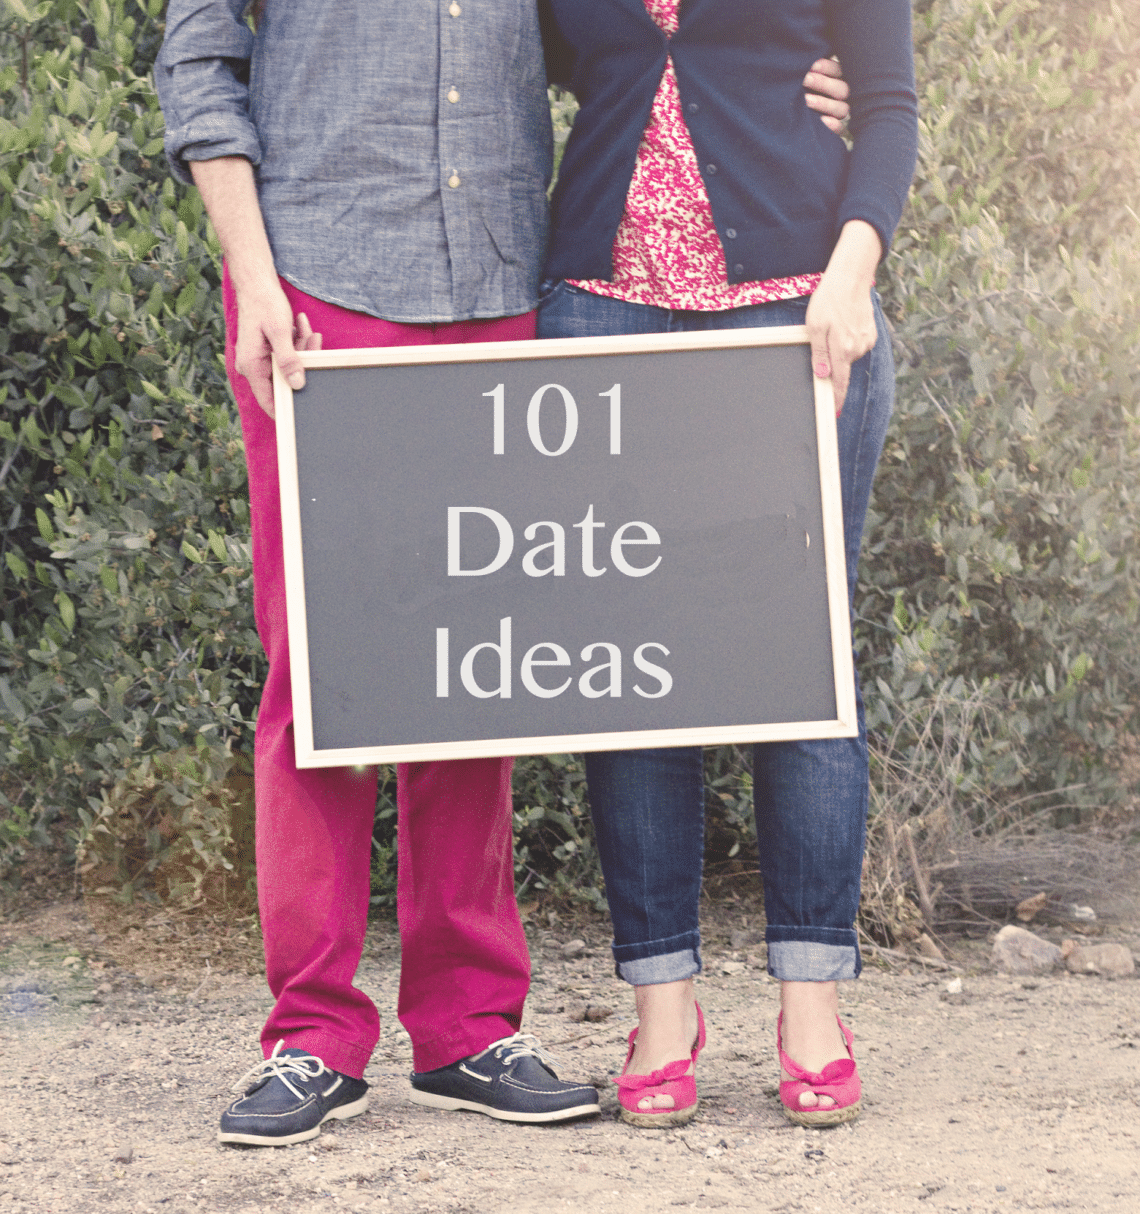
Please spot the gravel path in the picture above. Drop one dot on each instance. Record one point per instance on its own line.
(1017, 1094)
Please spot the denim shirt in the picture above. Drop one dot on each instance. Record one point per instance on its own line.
(402, 148)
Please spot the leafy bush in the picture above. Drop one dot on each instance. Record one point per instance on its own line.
(178, 828)
(1000, 572)
(125, 623)
(1002, 550)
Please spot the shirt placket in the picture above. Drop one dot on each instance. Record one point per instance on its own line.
(453, 151)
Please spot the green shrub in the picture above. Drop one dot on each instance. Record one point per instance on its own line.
(1002, 548)
(176, 829)
(1000, 563)
(125, 622)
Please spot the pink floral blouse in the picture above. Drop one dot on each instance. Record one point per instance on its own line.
(667, 253)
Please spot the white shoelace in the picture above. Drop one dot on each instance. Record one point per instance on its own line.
(305, 1066)
(521, 1045)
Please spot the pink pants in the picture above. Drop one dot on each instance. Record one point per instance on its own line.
(465, 969)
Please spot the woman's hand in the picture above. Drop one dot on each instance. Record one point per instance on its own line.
(840, 317)
(827, 93)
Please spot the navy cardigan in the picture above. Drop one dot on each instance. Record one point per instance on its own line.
(780, 183)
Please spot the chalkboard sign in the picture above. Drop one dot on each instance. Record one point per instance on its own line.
(543, 546)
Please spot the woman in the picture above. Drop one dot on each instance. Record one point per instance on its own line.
(698, 191)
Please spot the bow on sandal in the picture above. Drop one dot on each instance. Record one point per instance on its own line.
(670, 1080)
(839, 1080)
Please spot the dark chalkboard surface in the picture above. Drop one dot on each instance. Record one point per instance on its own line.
(570, 545)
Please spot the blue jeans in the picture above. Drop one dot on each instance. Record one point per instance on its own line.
(810, 797)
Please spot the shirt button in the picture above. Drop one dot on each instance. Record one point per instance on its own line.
(454, 10)
(693, 107)
(453, 181)
(738, 268)
(453, 95)
(710, 169)
(730, 233)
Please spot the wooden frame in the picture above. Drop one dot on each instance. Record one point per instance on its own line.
(313, 752)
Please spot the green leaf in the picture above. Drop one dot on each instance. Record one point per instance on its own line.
(11, 700)
(66, 611)
(29, 15)
(1079, 668)
(43, 522)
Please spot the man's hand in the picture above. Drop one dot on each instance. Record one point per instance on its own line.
(266, 330)
(840, 317)
(827, 93)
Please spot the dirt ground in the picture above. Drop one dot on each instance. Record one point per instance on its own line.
(122, 1036)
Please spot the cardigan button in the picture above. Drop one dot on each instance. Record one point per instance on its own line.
(710, 169)
(738, 268)
(693, 107)
(730, 233)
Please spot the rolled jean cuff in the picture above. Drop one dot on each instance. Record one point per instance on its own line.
(659, 961)
(819, 954)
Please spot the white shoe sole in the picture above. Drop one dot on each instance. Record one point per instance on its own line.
(451, 1104)
(340, 1113)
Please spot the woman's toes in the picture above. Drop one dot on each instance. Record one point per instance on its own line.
(809, 1100)
(660, 1101)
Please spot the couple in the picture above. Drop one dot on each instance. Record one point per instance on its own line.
(377, 175)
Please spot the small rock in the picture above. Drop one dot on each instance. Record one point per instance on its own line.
(1018, 951)
(732, 967)
(954, 986)
(124, 1154)
(1028, 908)
(746, 938)
(573, 948)
(328, 1142)
(1107, 960)
(593, 1012)
(1082, 914)
(7, 1155)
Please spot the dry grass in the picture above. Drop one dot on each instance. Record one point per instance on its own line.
(947, 852)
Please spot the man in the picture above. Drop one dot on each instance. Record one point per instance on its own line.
(376, 174)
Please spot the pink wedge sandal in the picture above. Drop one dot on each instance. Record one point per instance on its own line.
(839, 1080)
(670, 1080)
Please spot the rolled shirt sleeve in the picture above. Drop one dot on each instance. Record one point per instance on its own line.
(202, 78)
(401, 152)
